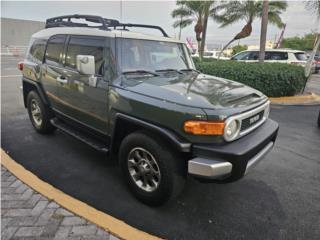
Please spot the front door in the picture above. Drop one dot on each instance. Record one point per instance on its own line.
(83, 98)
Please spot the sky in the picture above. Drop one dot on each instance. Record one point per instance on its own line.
(299, 20)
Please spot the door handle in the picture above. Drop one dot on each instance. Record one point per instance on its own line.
(62, 79)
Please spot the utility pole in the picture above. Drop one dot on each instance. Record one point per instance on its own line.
(264, 27)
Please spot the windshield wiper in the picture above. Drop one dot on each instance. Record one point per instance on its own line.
(189, 70)
(169, 70)
(140, 71)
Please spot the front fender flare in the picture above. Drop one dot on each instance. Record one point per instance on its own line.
(180, 144)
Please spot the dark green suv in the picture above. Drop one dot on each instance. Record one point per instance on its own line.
(139, 97)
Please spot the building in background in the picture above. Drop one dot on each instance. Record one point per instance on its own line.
(269, 45)
(16, 33)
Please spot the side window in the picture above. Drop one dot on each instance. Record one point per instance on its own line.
(36, 52)
(54, 50)
(86, 46)
(242, 56)
(276, 56)
(254, 56)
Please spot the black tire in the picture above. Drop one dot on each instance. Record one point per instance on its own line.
(43, 125)
(170, 165)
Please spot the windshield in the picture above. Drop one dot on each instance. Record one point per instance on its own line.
(137, 54)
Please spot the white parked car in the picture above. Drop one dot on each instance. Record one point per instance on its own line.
(274, 55)
(211, 54)
(214, 54)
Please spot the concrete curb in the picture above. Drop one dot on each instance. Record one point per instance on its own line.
(101, 219)
(310, 99)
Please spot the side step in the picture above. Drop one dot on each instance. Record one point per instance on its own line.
(83, 137)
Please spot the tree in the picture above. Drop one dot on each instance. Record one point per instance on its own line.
(189, 12)
(264, 27)
(233, 11)
(239, 48)
(181, 23)
(303, 43)
(314, 7)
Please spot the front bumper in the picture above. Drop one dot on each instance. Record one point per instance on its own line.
(233, 160)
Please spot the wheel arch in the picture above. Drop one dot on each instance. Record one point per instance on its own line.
(29, 85)
(133, 124)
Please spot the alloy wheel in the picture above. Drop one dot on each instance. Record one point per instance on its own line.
(144, 169)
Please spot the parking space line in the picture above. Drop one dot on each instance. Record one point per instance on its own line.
(103, 220)
(11, 76)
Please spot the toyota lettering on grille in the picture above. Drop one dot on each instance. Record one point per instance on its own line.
(254, 119)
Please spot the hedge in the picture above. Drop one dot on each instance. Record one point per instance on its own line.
(273, 79)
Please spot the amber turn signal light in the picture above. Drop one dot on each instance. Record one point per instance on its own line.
(204, 127)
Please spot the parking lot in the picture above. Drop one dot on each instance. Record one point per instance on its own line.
(278, 200)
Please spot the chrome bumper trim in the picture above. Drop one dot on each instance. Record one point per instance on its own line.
(213, 169)
(258, 157)
(209, 168)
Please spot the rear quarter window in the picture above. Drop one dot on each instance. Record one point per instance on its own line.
(37, 49)
(301, 56)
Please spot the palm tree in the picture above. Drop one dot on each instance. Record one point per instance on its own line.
(263, 32)
(189, 12)
(233, 11)
(181, 23)
(314, 6)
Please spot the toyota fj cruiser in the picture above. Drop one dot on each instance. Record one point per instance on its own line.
(139, 97)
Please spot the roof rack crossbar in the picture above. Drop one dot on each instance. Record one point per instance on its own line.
(65, 21)
(124, 25)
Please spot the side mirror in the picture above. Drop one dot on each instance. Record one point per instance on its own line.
(86, 64)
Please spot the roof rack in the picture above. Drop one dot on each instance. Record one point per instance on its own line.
(105, 23)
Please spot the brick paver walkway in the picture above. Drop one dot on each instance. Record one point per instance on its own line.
(25, 214)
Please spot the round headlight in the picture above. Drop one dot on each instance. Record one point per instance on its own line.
(231, 129)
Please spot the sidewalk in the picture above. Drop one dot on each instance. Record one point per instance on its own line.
(25, 214)
(313, 85)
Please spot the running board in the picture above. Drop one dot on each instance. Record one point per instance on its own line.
(83, 137)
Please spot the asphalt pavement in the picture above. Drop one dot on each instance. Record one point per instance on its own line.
(279, 199)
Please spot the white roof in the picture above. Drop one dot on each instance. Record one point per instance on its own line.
(276, 50)
(48, 32)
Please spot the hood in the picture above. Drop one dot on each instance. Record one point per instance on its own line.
(195, 90)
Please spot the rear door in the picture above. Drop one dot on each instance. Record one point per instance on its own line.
(52, 68)
(83, 98)
(276, 56)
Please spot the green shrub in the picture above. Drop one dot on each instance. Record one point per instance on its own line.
(196, 59)
(273, 79)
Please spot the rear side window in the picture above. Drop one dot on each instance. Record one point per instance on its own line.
(86, 46)
(54, 50)
(301, 56)
(37, 49)
(276, 56)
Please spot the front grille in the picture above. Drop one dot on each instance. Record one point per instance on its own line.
(251, 121)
